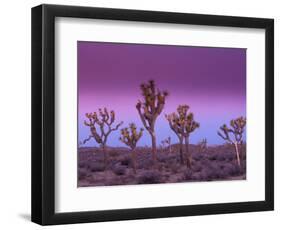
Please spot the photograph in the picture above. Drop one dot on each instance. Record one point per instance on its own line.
(174, 107)
(150, 114)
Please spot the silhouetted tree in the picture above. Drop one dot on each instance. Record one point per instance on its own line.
(149, 109)
(237, 128)
(130, 136)
(167, 142)
(182, 123)
(104, 121)
(202, 145)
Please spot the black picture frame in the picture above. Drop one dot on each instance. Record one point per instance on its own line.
(43, 114)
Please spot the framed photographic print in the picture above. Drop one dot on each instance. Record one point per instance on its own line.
(143, 114)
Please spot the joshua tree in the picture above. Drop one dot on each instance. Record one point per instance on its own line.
(130, 137)
(202, 145)
(167, 142)
(105, 122)
(237, 127)
(182, 123)
(149, 109)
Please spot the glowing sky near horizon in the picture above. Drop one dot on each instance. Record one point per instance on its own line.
(212, 81)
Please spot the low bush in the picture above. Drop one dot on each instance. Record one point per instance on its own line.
(119, 170)
(82, 173)
(96, 167)
(149, 177)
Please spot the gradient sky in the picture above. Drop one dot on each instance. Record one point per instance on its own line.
(212, 81)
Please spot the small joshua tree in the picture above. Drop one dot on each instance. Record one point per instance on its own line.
(167, 142)
(149, 109)
(237, 128)
(202, 145)
(105, 122)
(130, 136)
(182, 123)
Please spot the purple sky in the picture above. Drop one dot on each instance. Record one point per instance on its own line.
(212, 81)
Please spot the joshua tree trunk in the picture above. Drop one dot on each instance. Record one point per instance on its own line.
(134, 161)
(105, 157)
(181, 151)
(240, 148)
(237, 153)
(188, 154)
(153, 139)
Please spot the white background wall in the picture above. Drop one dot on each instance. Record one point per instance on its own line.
(15, 113)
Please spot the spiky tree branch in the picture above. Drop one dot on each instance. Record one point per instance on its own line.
(182, 123)
(130, 136)
(101, 125)
(150, 108)
(237, 128)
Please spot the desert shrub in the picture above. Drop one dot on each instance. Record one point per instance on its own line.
(82, 173)
(221, 157)
(197, 167)
(229, 156)
(208, 174)
(174, 167)
(213, 157)
(243, 166)
(149, 177)
(119, 169)
(114, 182)
(112, 152)
(163, 158)
(126, 160)
(196, 176)
(188, 174)
(198, 156)
(96, 167)
(205, 162)
(171, 159)
(204, 175)
(212, 170)
(231, 169)
(83, 164)
(145, 163)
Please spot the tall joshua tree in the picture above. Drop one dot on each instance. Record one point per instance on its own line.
(130, 136)
(150, 108)
(104, 120)
(182, 123)
(237, 128)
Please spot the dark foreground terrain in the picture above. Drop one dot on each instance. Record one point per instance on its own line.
(213, 164)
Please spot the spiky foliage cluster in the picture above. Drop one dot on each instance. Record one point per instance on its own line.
(237, 128)
(130, 136)
(150, 108)
(183, 123)
(104, 121)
